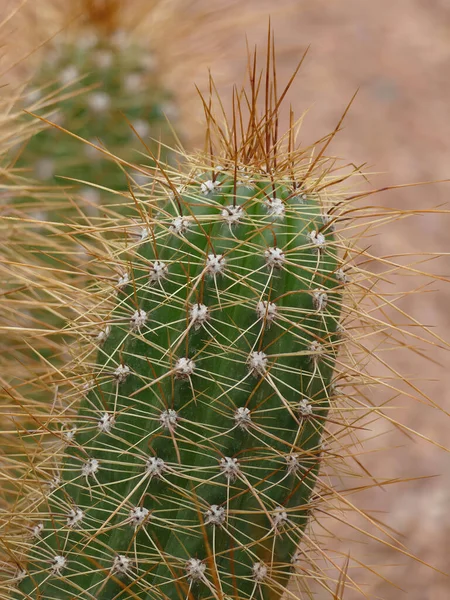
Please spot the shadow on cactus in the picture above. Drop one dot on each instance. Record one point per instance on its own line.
(197, 430)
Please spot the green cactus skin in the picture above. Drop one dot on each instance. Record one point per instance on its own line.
(197, 447)
(105, 89)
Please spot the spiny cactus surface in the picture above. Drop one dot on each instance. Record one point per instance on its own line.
(190, 465)
(197, 445)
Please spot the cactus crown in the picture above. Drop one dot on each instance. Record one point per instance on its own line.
(195, 423)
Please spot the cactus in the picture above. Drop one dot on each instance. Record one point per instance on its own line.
(206, 406)
(186, 454)
(208, 402)
(104, 90)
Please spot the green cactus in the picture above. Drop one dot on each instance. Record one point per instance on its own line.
(190, 465)
(104, 89)
(204, 419)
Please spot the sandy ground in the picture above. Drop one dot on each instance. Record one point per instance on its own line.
(398, 55)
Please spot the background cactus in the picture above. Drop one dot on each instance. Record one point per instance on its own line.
(191, 462)
(104, 88)
(189, 467)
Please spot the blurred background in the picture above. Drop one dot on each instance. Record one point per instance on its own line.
(398, 55)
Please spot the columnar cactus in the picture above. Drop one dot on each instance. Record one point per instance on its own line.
(183, 452)
(104, 88)
(191, 462)
(204, 415)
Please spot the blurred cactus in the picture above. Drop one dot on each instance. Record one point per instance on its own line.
(104, 89)
(102, 85)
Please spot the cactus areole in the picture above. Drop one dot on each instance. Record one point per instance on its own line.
(199, 433)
